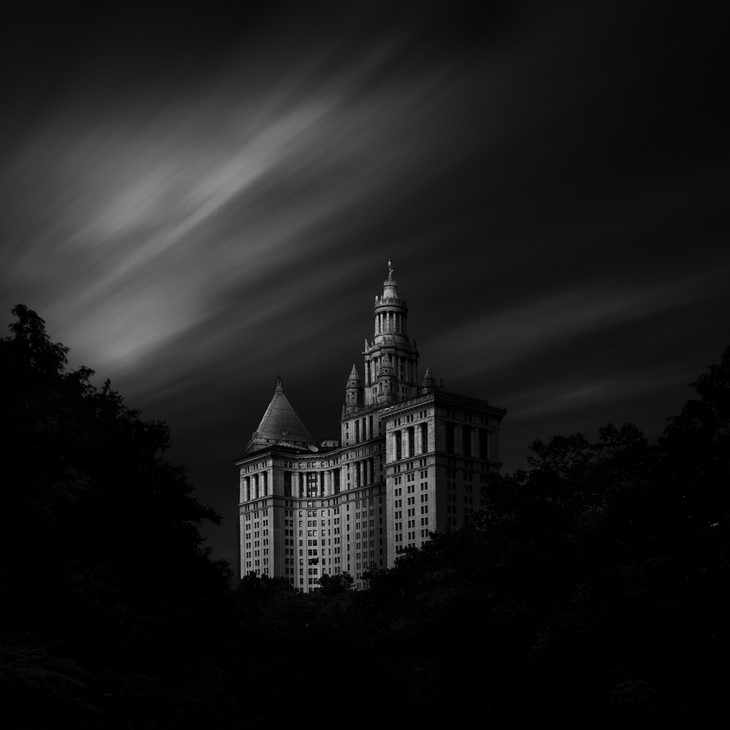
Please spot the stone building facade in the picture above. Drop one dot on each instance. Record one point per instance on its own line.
(410, 461)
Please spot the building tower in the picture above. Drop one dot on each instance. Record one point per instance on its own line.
(391, 359)
(353, 396)
(411, 460)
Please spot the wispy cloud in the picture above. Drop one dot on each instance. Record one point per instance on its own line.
(518, 334)
(192, 213)
(148, 253)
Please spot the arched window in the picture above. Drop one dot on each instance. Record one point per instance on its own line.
(287, 484)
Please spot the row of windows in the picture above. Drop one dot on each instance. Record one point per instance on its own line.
(472, 441)
(472, 417)
(405, 440)
(407, 466)
(364, 429)
(402, 420)
(310, 464)
(311, 484)
(411, 488)
(256, 466)
(410, 524)
(256, 518)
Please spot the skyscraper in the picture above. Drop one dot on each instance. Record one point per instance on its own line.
(410, 461)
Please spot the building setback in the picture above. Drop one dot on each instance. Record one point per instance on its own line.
(410, 461)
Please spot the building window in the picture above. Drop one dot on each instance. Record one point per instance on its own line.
(287, 484)
(449, 438)
(336, 480)
(312, 484)
(466, 440)
(483, 444)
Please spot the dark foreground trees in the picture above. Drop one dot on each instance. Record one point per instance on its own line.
(103, 576)
(594, 588)
(592, 591)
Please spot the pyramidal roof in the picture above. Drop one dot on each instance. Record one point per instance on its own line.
(280, 425)
(354, 375)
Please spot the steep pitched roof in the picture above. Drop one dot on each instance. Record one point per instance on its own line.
(280, 425)
(354, 376)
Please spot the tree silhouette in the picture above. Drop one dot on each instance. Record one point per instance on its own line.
(592, 590)
(101, 559)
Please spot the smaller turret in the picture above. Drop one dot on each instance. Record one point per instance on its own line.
(428, 384)
(353, 395)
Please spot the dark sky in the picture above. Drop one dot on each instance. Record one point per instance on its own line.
(197, 199)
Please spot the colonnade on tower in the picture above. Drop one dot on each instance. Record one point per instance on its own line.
(390, 358)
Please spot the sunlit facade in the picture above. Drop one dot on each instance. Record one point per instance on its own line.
(410, 461)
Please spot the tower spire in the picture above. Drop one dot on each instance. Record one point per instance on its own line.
(353, 393)
(354, 376)
(391, 354)
(428, 384)
(390, 285)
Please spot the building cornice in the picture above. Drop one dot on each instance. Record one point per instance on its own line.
(443, 397)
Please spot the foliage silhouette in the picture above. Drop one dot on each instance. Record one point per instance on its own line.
(592, 590)
(102, 561)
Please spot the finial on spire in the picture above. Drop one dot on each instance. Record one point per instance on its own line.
(390, 269)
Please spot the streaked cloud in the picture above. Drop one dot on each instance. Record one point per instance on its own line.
(522, 331)
(194, 209)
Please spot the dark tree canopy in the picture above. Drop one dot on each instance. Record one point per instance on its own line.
(100, 547)
(593, 590)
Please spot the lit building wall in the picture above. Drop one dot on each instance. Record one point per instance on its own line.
(411, 460)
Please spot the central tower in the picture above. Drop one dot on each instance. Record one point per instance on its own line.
(391, 359)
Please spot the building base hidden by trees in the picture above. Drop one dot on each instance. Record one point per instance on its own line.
(411, 460)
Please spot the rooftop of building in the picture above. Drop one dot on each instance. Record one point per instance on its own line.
(281, 426)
